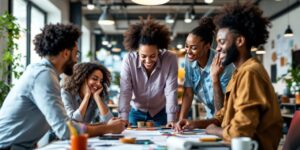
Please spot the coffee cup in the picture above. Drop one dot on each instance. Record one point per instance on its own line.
(243, 143)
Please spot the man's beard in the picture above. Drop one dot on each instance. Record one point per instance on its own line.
(68, 67)
(232, 55)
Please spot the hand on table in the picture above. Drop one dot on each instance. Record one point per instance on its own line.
(215, 130)
(116, 125)
(183, 124)
(171, 124)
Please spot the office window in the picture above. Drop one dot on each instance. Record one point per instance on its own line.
(86, 45)
(19, 11)
(31, 19)
(37, 23)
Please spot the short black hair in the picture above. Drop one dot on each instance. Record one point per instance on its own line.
(247, 20)
(205, 30)
(55, 38)
(146, 32)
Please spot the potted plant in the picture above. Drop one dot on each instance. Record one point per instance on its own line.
(9, 32)
(292, 80)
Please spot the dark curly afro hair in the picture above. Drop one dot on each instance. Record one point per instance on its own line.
(55, 38)
(82, 71)
(146, 32)
(245, 19)
(205, 30)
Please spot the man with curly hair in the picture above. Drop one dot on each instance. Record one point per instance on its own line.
(250, 105)
(34, 104)
(148, 75)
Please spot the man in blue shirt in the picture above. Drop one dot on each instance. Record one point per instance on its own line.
(34, 104)
(203, 76)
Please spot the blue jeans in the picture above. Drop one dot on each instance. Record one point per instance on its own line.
(159, 119)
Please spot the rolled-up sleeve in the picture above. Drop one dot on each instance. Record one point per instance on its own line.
(187, 76)
(125, 89)
(171, 90)
(106, 117)
(70, 106)
(46, 96)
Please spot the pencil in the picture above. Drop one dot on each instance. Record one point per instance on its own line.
(210, 139)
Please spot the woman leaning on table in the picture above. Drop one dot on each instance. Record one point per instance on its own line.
(84, 92)
(148, 75)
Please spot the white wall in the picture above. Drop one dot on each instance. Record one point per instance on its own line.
(64, 7)
(282, 46)
(271, 7)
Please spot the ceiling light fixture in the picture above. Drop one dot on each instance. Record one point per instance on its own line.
(208, 1)
(169, 19)
(288, 32)
(106, 18)
(90, 5)
(193, 13)
(260, 50)
(189, 15)
(105, 40)
(150, 2)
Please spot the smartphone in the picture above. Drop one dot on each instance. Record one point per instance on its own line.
(111, 137)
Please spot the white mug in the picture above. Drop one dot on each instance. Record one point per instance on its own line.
(243, 143)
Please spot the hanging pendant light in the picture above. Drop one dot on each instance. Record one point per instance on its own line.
(90, 5)
(150, 2)
(288, 32)
(187, 17)
(208, 1)
(260, 50)
(106, 18)
(169, 19)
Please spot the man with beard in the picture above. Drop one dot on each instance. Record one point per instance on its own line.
(250, 105)
(34, 104)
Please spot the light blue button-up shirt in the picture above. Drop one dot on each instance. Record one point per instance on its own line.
(32, 107)
(201, 83)
(72, 103)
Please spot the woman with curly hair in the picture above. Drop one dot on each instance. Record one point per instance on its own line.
(203, 77)
(148, 75)
(84, 92)
(250, 104)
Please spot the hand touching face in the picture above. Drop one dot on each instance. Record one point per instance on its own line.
(94, 82)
